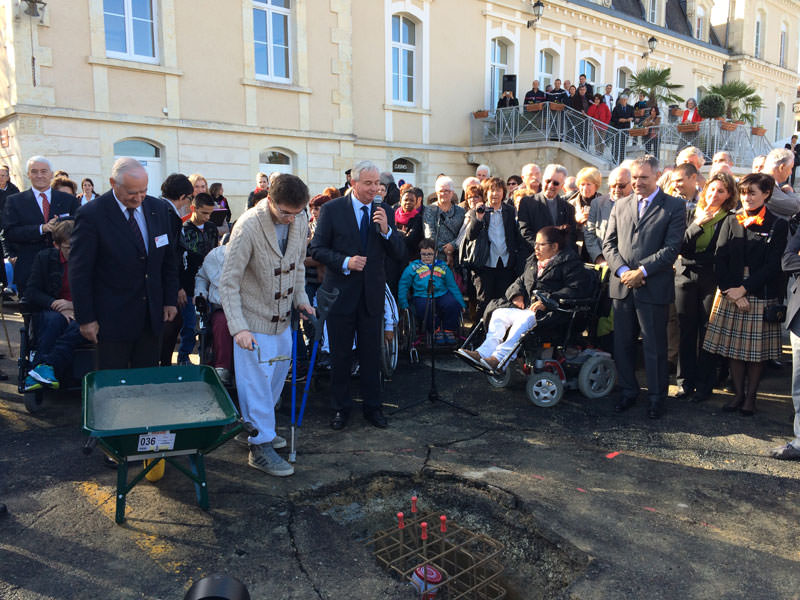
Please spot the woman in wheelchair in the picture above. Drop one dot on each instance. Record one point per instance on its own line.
(554, 272)
(447, 297)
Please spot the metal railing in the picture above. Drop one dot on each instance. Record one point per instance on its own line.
(515, 125)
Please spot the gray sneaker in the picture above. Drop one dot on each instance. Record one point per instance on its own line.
(278, 442)
(264, 458)
(244, 440)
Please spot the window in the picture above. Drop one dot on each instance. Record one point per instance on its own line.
(757, 45)
(271, 33)
(545, 72)
(779, 121)
(404, 52)
(130, 30)
(652, 11)
(622, 79)
(700, 24)
(270, 161)
(782, 48)
(589, 69)
(149, 155)
(498, 67)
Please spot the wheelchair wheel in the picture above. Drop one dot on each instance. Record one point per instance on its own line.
(34, 401)
(406, 331)
(597, 377)
(544, 389)
(389, 357)
(502, 380)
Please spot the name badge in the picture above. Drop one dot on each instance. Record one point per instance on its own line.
(161, 240)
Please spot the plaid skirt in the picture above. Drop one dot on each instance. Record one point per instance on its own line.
(741, 335)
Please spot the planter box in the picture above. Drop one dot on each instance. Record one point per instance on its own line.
(556, 106)
(676, 112)
(638, 112)
(725, 126)
(688, 127)
(758, 131)
(638, 131)
(480, 114)
(739, 122)
(535, 107)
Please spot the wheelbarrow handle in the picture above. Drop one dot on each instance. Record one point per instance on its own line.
(248, 428)
(89, 445)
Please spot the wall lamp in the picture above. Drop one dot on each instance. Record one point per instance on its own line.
(32, 9)
(538, 9)
(651, 45)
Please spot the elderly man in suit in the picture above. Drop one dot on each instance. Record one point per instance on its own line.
(547, 207)
(645, 231)
(594, 232)
(791, 265)
(28, 218)
(780, 164)
(122, 270)
(353, 237)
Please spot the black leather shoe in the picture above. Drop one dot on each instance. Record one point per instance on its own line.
(376, 418)
(339, 420)
(624, 404)
(683, 392)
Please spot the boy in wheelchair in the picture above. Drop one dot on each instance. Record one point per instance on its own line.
(56, 330)
(554, 272)
(448, 298)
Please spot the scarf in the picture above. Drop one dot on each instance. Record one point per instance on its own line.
(541, 266)
(402, 218)
(746, 220)
(708, 231)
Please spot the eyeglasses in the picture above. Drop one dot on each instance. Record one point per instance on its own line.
(552, 182)
(285, 213)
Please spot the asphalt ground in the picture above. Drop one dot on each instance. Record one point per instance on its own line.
(588, 503)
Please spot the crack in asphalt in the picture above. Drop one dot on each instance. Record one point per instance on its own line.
(296, 552)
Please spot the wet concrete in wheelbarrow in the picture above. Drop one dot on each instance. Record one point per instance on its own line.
(588, 503)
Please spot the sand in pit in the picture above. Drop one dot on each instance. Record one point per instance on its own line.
(154, 404)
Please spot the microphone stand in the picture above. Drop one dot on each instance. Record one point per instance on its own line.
(430, 307)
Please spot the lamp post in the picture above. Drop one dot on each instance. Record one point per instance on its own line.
(651, 45)
(538, 10)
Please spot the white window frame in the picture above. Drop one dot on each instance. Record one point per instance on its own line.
(758, 35)
(782, 46)
(619, 88)
(652, 11)
(269, 9)
(495, 82)
(699, 27)
(401, 48)
(544, 77)
(130, 55)
(582, 69)
(269, 168)
(780, 112)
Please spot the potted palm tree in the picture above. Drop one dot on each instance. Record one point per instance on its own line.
(741, 100)
(656, 85)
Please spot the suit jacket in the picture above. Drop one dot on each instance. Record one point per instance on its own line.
(21, 221)
(336, 237)
(533, 214)
(790, 263)
(652, 242)
(782, 204)
(594, 231)
(111, 281)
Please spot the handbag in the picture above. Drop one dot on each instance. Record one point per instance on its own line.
(777, 312)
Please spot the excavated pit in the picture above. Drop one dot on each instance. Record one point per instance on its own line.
(537, 563)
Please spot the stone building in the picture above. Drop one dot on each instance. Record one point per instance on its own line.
(230, 87)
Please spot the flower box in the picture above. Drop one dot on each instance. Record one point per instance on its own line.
(480, 114)
(676, 112)
(556, 106)
(688, 127)
(637, 131)
(638, 112)
(725, 126)
(535, 107)
(758, 130)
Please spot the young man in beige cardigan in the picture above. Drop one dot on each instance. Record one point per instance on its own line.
(262, 278)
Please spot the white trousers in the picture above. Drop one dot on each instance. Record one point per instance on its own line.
(516, 322)
(259, 385)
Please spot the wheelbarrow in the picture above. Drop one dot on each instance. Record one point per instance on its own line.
(159, 413)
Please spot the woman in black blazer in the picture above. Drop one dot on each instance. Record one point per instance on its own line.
(696, 284)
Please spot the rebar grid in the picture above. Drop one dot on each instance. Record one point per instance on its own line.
(467, 560)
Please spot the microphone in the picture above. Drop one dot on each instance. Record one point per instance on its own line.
(376, 202)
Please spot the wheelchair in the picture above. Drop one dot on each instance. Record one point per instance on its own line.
(552, 361)
(83, 362)
(411, 341)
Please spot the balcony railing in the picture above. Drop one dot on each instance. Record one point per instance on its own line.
(545, 123)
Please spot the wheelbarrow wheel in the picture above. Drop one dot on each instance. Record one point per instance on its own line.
(34, 401)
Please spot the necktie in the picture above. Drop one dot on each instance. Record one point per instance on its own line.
(364, 228)
(45, 207)
(642, 206)
(137, 232)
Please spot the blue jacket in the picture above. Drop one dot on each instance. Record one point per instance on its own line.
(415, 276)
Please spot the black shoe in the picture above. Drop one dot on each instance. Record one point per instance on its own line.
(654, 411)
(624, 404)
(699, 397)
(3, 510)
(339, 420)
(683, 392)
(376, 418)
(787, 452)
(746, 413)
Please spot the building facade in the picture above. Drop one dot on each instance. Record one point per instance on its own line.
(230, 88)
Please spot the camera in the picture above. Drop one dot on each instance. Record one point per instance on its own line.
(484, 209)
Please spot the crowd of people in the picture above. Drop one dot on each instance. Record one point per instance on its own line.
(696, 267)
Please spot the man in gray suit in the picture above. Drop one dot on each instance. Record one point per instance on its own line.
(594, 231)
(780, 164)
(644, 235)
(791, 265)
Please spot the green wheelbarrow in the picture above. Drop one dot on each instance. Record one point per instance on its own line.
(159, 413)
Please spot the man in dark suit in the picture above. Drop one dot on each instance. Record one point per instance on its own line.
(795, 148)
(589, 87)
(29, 216)
(645, 231)
(547, 207)
(352, 239)
(7, 188)
(122, 270)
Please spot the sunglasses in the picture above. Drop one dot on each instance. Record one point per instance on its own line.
(552, 182)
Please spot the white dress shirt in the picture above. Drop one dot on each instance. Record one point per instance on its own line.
(138, 214)
(357, 206)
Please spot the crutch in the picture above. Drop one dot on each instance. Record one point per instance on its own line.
(325, 300)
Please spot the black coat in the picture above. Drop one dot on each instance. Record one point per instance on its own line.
(533, 214)
(514, 241)
(47, 277)
(621, 112)
(111, 281)
(690, 261)
(580, 103)
(22, 219)
(565, 276)
(336, 238)
(412, 233)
